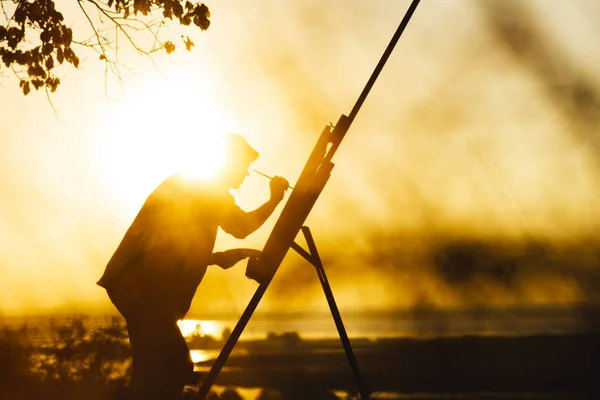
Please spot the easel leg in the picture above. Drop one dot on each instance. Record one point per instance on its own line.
(315, 260)
(212, 375)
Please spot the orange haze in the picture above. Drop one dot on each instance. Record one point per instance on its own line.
(465, 144)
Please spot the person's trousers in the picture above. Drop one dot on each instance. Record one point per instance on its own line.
(162, 364)
(161, 359)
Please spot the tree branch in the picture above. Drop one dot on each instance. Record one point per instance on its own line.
(118, 25)
(33, 63)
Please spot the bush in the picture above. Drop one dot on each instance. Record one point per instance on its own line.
(73, 362)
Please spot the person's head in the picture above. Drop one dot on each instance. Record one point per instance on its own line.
(239, 155)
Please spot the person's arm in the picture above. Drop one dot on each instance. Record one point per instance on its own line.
(228, 258)
(240, 224)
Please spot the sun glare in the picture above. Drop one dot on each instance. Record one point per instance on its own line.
(198, 156)
(191, 327)
(158, 132)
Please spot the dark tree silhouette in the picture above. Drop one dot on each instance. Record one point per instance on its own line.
(35, 37)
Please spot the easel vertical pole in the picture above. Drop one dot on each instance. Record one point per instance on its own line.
(316, 261)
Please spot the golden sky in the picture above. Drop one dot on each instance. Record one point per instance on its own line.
(462, 136)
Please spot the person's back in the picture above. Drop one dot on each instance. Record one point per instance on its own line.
(165, 252)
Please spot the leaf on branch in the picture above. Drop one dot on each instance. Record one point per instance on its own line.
(47, 48)
(7, 57)
(22, 58)
(20, 14)
(169, 47)
(49, 63)
(188, 44)
(142, 6)
(26, 88)
(35, 11)
(45, 36)
(69, 54)
(201, 15)
(52, 83)
(205, 10)
(102, 57)
(37, 83)
(177, 9)
(14, 36)
(68, 37)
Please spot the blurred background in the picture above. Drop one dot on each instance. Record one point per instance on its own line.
(469, 179)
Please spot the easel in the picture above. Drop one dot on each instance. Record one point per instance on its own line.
(311, 182)
(312, 256)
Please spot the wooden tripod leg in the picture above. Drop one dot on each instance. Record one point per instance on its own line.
(315, 260)
(210, 378)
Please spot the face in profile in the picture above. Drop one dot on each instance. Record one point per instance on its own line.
(237, 174)
(240, 155)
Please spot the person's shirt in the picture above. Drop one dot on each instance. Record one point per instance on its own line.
(175, 228)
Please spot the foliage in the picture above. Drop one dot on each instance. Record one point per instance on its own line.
(35, 37)
(72, 358)
(78, 353)
(15, 357)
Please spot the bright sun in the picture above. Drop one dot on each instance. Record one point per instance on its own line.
(197, 155)
(155, 134)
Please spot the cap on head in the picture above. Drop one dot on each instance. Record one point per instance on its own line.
(238, 149)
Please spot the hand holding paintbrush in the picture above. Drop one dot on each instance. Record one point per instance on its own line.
(270, 177)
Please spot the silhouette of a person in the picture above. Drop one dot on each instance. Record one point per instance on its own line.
(153, 275)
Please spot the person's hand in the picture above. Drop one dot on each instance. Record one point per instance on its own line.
(228, 258)
(278, 187)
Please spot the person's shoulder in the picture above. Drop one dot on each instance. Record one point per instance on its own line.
(170, 181)
(180, 186)
(165, 190)
(168, 185)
